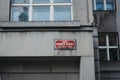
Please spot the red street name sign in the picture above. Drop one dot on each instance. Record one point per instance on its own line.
(65, 44)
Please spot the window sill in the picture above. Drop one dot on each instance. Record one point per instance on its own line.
(109, 61)
(38, 24)
(104, 10)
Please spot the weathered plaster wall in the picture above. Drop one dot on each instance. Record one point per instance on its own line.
(42, 43)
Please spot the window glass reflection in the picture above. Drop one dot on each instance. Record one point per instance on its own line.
(99, 5)
(41, 1)
(102, 40)
(62, 13)
(20, 1)
(41, 13)
(112, 40)
(40, 10)
(19, 13)
(110, 5)
(62, 1)
(103, 54)
(113, 55)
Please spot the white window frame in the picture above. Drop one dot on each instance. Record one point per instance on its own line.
(104, 4)
(107, 47)
(51, 4)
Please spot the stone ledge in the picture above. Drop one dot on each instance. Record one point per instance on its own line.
(15, 24)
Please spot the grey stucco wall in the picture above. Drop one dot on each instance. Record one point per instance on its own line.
(82, 10)
(87, 68)
(118, 14)
(42, 43)
(4, 10)
(118, 18)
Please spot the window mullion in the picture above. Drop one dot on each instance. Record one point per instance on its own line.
(108, 54)
(30, 11)
(51, 10)
(105, 5)
(71, 12)
(113, 4)
(107, 44)
(94, 4)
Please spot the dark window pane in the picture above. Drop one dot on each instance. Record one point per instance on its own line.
(102, 40)
(110, 5)
(113, 55)
(20, 1)
(103, 54)
(112, 40)
(40, 1)
(19, 14)
(99, 5)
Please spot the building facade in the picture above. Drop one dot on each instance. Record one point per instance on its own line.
(107, 57)
(47, 40)
(59, 40)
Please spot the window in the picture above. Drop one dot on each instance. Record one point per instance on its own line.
(104, 4)
(99, 5)
(41, 10)
(108, 47)
(110, 5)
(20, 13)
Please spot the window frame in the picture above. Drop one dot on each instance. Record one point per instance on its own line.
(108, 47)
(104, 5)
(52, 4)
